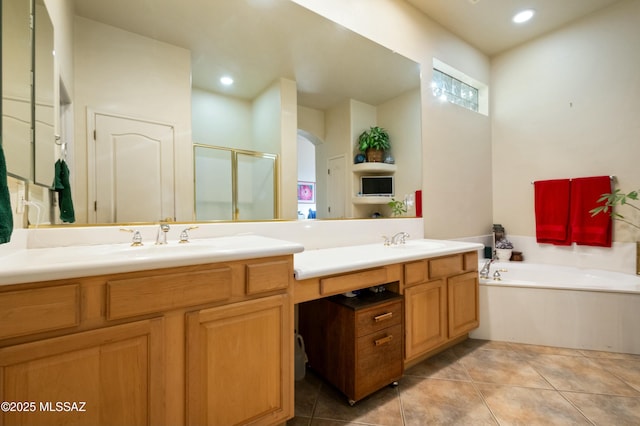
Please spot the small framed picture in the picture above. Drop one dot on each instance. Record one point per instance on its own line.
(306, 192)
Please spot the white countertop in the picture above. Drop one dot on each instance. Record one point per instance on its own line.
(43, 264)
(322, 262)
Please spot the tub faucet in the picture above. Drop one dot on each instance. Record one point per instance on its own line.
(161, 237)
(484, 272)
(399, 238)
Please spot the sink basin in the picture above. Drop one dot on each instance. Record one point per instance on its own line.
(37, 264)
(419, 245)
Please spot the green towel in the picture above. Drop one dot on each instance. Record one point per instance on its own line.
(6, 215)
(63, 187)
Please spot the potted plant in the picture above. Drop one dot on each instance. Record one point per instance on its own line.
(397, 207)
(504, 249)
(616, 198)
(373, 143)
(619, 198)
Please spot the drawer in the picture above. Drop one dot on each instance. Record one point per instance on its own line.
(268, 276)
(471, 261)
(354, 281)
(379, 360)
(445, 266)
(137, 296)
(415, 273)
(374, 319)
(36, 310)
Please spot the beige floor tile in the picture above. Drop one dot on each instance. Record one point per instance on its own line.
(446, 402)
(549, 350)
(470, 345)
(380, 408)
(580, 374)
(513, 405)
(482, 382)
(306, 394)
(628, 370)
(610, 355)
(607, 410)
(502, 367)
(444, 365)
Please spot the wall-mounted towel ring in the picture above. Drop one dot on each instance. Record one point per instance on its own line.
(63, 147)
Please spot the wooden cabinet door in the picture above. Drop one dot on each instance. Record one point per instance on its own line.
(109, 376)
(239, 363)
(463, 303)
(426, 317)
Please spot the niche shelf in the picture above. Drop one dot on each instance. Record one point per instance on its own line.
(371, 199)
(374, 168)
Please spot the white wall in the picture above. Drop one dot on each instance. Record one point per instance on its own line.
(456, 143)
(401, 118)
(221, 120)
(567, 105)
(148, 80)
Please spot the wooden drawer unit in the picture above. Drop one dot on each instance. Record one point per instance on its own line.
(264, 277)
(166, 292)
(355, 343)
(378, 318)
(36, 310)
(347, 282)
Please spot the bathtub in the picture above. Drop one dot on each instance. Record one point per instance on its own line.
(560, 306)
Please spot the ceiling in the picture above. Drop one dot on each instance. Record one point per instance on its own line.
(258, 41)
(486, 24)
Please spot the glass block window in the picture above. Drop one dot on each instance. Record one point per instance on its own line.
(451, 89)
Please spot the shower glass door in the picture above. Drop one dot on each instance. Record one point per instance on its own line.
(235, 184)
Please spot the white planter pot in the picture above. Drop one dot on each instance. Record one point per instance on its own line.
(504, 254)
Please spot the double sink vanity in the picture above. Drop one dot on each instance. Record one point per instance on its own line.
(203, 332)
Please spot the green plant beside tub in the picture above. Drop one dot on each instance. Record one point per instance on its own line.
(373, 143)
(617, 198)
(397, 207)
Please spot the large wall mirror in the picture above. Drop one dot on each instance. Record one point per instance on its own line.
(145, 89)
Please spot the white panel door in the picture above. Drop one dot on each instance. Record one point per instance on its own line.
(134, 172)
(336, 188)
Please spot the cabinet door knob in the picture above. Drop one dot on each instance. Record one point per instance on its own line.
(384, 340)
(383, 317)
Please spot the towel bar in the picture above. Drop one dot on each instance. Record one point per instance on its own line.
(612, 177)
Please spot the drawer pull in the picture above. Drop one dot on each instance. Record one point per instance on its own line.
(384, 340)
(383, 317)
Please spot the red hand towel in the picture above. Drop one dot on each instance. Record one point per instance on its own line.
(585, 229)
(552, 211)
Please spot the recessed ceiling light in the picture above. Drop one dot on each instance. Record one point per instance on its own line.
(523, 16)
(226, 80)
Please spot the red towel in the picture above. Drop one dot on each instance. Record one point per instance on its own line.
(586, 229)
(552, 211)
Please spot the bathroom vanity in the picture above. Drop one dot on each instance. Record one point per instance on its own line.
(362, 343)
(163, 346)
(202, 333)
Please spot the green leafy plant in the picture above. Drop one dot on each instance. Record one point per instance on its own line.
(374, 138)
(617, 198)
(397, 207)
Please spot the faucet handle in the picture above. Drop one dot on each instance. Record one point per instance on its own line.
(137, 237)
(184, 235)
(387, 242)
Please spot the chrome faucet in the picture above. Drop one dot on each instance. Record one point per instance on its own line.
(161, 237)
(484, 272)
(184, 235)
(399, 238)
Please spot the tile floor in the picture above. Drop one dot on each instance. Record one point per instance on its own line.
(481, 382)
